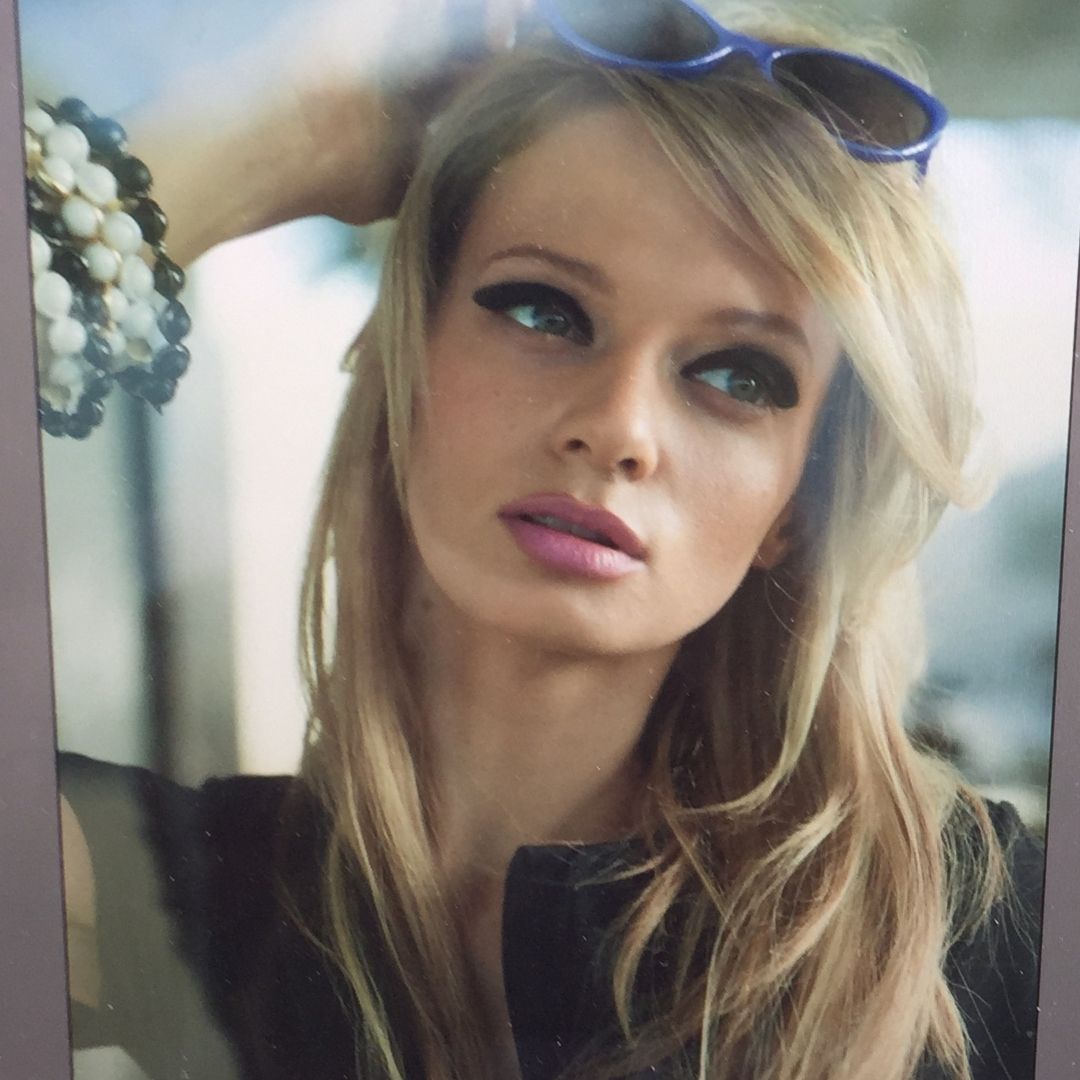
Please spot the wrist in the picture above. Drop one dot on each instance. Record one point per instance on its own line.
(208, 174)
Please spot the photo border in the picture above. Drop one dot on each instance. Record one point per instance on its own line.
(35, 1041)
(34, 1013)
(1057, 1041)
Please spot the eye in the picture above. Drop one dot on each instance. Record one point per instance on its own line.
(748, 375)
(538, 307)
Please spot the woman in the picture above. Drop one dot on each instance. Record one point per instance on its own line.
(608, 627)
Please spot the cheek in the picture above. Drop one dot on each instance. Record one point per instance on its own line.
(733, 497)
(461, 432)
(466, 395)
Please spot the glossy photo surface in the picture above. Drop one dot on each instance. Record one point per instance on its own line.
(617, 430)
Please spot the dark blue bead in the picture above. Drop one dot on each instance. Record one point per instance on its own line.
(75, 111)
(168, 277)
(106, 136)
(97, 350)
(132, 176)
(174, 322)
(171, 361)
(95, 312)
(49, 225)
(52, 422)
(77, 427)
(98, 386)
(132, 379)
(90, 411)
(151, 219)
(157, 391)
(68, 263)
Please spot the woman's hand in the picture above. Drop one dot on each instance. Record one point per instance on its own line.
(322, 115)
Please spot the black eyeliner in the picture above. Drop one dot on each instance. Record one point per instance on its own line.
(503, 295)
(777, 376)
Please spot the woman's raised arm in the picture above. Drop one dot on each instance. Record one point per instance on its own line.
(321, 115)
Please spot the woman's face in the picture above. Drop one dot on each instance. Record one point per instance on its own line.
(622, 395)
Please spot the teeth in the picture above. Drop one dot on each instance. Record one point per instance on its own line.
(568, 527)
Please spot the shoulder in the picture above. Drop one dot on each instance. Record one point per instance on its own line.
(993, 969)
(102, 793)
(122, 808)
(206, 857)
(182, 887)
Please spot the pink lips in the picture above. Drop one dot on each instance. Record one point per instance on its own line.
(539, 524)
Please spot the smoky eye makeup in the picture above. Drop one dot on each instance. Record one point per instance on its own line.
(539, 307)
(749, 374)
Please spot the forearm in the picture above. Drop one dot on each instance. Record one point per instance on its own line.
(221, 172)
(322, 115)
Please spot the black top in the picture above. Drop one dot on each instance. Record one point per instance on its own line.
(205, 976)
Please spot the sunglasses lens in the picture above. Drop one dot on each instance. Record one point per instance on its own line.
(862, 105)
(664, 31)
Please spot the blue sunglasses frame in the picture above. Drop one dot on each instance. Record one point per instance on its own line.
(765, 56)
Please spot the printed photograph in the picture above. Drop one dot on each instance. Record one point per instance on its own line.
(554, 519)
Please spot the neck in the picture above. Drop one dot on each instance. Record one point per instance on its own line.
(526, 746)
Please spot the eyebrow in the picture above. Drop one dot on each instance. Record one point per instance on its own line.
(578, 268)
(768, 321)
(727, 318)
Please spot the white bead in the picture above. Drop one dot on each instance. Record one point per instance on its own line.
(96, 182)
(139, 352)
(68, 142)
(67, 336)
(139, 321)
(121, 231)
(81, 218)
(156, 340)
(102, 261)
(117, 303)
(56, 396)
(32, 147)
(40, 252)
(52, 295)
(60, 171)
(38, 121)
(41, 328)
(136, 278)
(65, 372)
(118, 347)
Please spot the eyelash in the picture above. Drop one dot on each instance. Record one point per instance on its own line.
(507, 296)
(774, 385)
(771, 383)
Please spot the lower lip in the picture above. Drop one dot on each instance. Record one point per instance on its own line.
(569, 554)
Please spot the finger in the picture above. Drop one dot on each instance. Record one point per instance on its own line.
(506, 19)
(501, 22)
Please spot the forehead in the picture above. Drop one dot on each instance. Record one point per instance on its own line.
(598, 187)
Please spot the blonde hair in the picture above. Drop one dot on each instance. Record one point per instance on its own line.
(822, 864)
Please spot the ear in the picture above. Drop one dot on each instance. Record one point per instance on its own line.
(778, 541)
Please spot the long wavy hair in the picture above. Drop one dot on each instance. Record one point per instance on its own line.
(821, 864)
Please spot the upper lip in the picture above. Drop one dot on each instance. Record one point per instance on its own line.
(567, 508)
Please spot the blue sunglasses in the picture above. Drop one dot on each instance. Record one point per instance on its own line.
(876, 114)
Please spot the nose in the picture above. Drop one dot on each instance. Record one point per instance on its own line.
(612, 421)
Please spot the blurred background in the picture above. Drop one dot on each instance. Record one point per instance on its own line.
(176, 542)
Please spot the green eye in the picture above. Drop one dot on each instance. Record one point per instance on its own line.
(540, 308)
(748, 375)
(740, 384)
(542, 318)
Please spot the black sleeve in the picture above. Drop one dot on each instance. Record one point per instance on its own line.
(995, 974)
(157, 902)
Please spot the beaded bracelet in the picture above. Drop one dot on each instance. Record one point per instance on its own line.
(106, 314)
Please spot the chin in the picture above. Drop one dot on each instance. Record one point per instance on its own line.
(575, 625)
